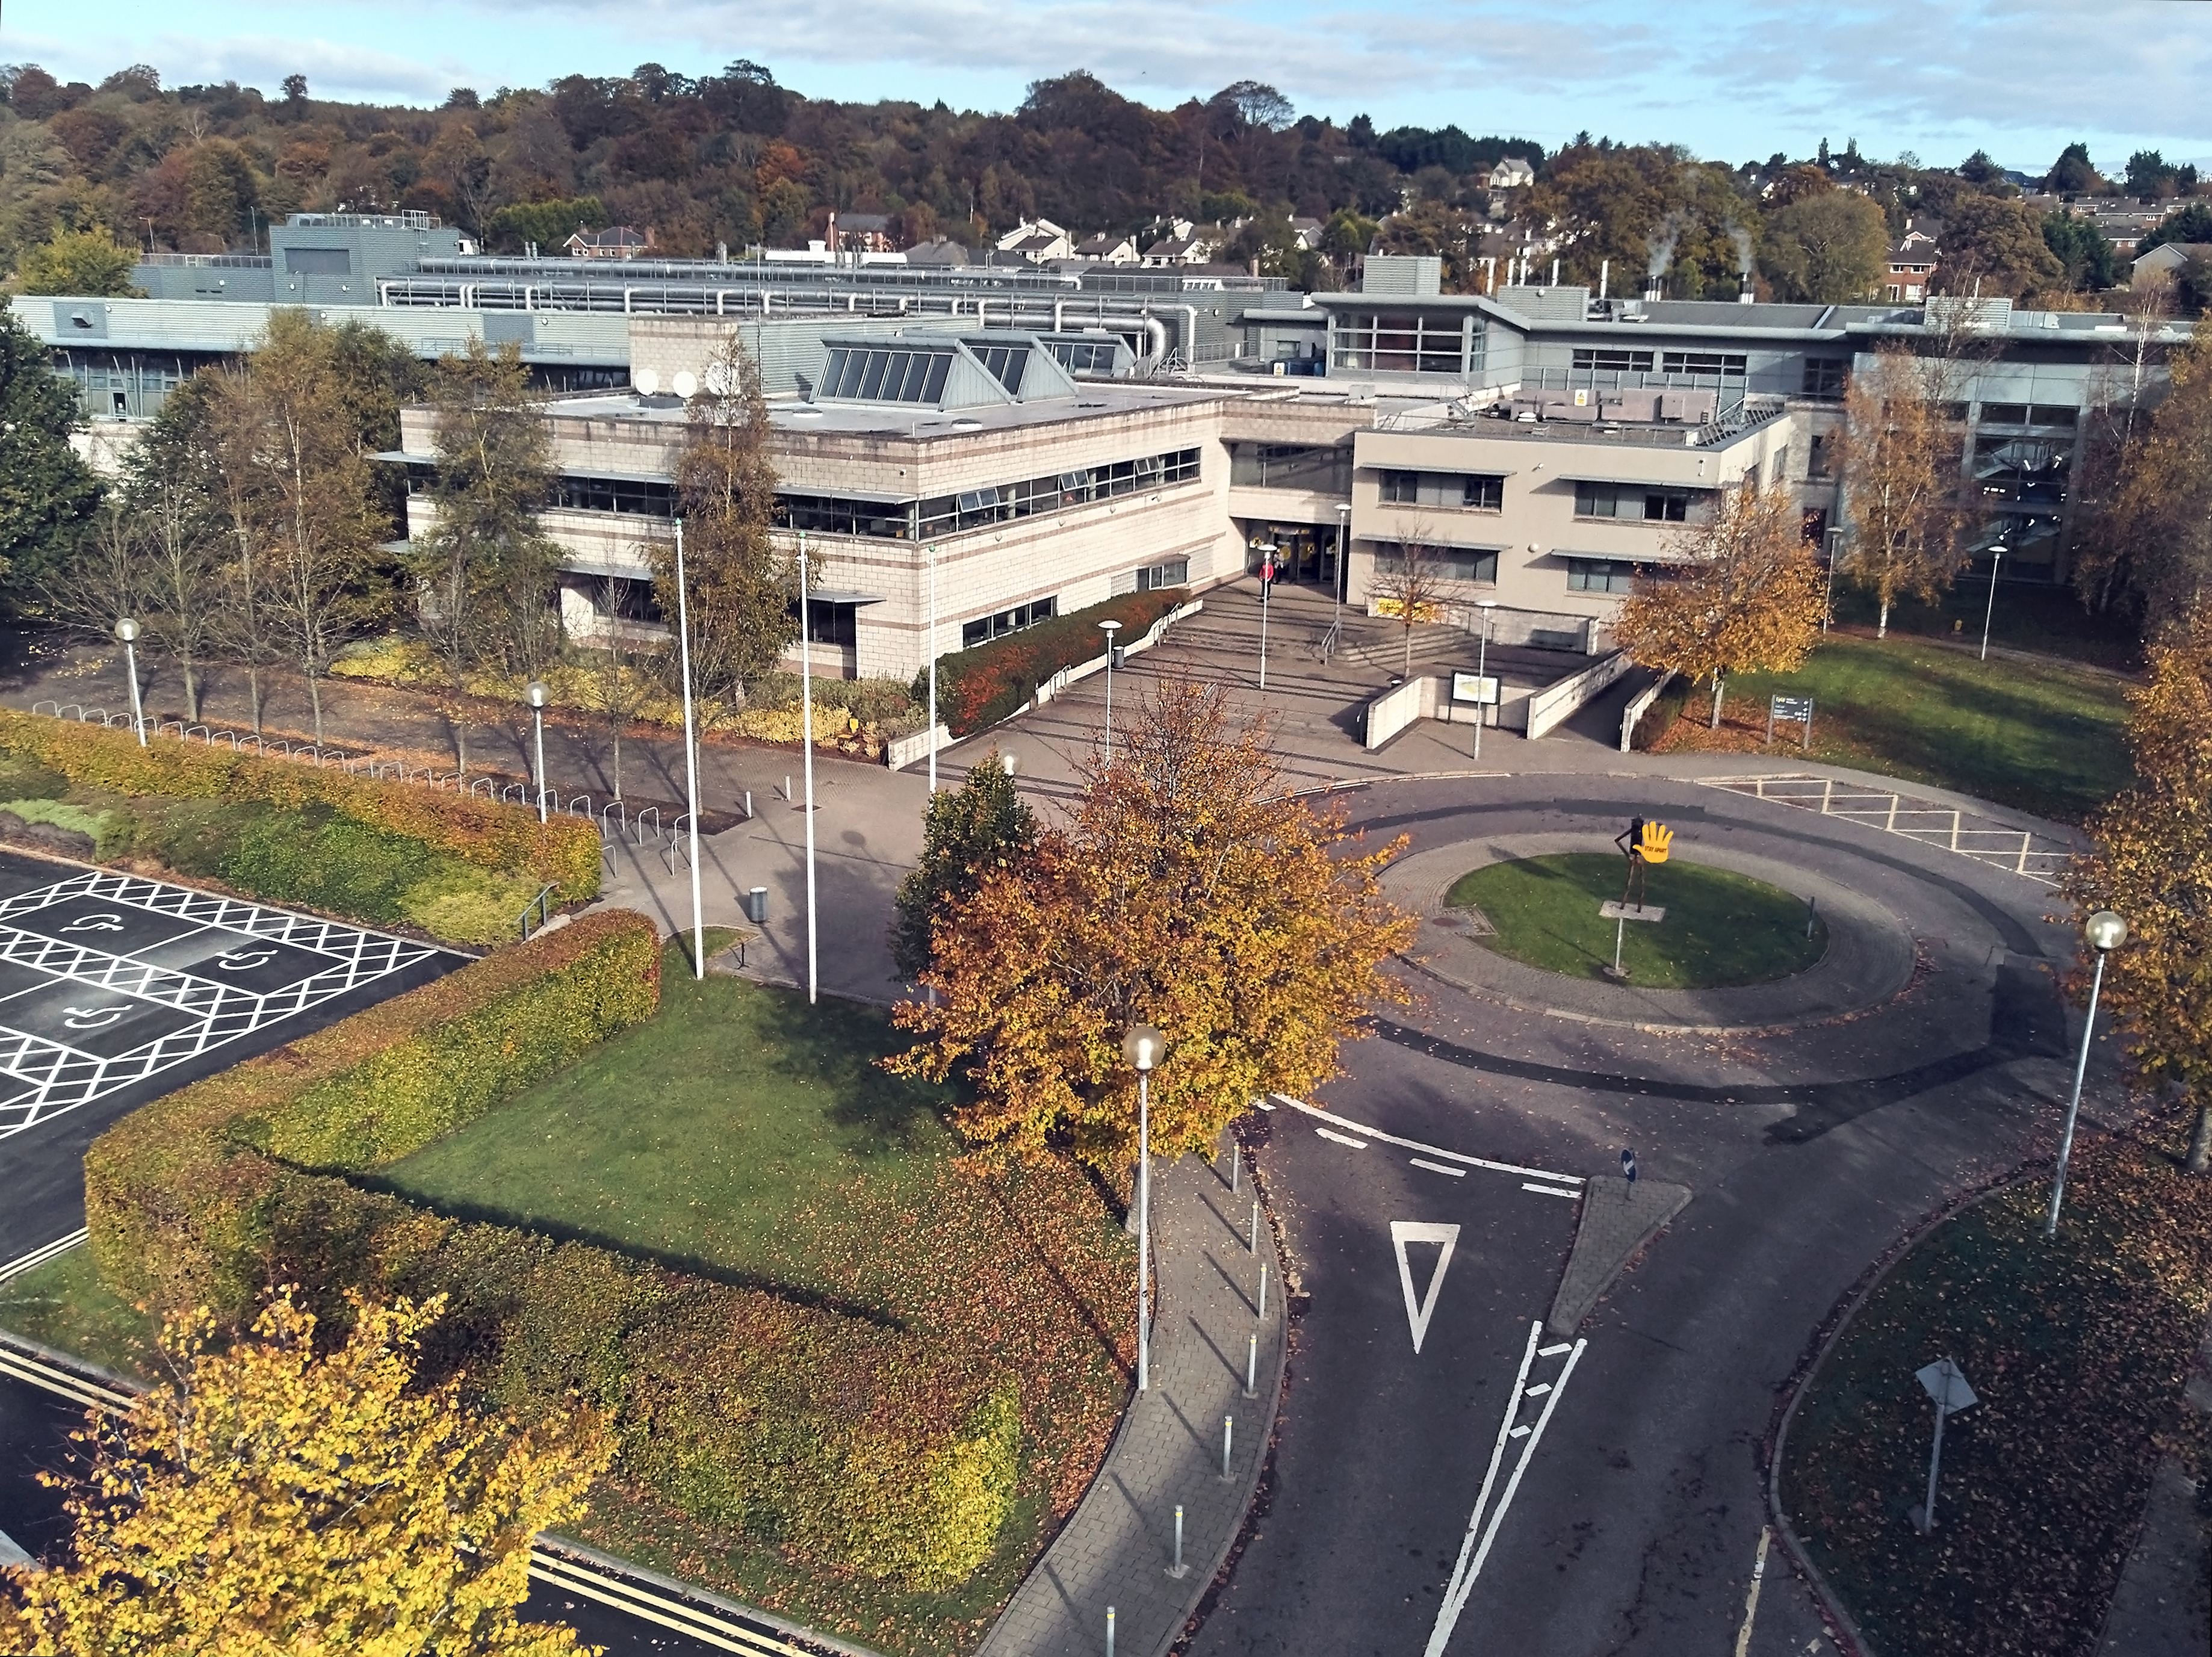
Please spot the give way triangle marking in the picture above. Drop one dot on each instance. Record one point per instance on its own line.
(1418, 1231)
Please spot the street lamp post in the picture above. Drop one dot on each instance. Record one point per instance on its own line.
(1266, 584)
(690, 758)
(2105, 931)
(1997, 557)
(1109, 629)
(932, 672)
(1482, 670)
(1835, 539)
(536, 694)
(1336, 587)
(806, 754)
(127, 631)
(1142, 1047)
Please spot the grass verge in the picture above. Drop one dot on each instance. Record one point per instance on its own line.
(743, 1136)
(1721, 928)
(2078, 1349)
(2041, 737)
(63, 1304)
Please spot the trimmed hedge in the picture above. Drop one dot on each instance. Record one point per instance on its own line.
(831, 1436)
(979, 687)
(563, 853)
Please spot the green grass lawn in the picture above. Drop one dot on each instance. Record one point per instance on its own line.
(2078, 1350)
(1721, 928)
(64, 1304)
(2028, 616)
(742, 1135)
(2039, 736)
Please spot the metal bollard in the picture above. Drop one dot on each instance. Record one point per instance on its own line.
(1255, 1228)
(1228, 1436)
(1252, 1368)
(1109, 1631)
(1235, 1169)
(1263, 1291)
(787, 786)
(749, 805)
(1179, 1568)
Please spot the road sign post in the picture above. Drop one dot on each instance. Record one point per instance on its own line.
(1621, 914)
(1786, 708)
(1946, 1383)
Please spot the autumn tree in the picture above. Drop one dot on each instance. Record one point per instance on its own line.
(1826, 248)
(1409, 583)
(1744, 598)
(2161, 512)
(46, 492)
(2151, 860)
(485, 569)
(87, 264)
(741, 588)
(1901, 458)
(1191, 891)
(299, 490)
(967, 832)
(277, 1495)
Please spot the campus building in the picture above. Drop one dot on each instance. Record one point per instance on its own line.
(1043, 438)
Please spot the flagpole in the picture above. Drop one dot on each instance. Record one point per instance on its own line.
(691, 757)
(932, 672)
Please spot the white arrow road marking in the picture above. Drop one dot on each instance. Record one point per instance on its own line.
(1465, 1572)
(1403, 1232)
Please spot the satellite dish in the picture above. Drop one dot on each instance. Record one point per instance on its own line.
(646, 382)
(684, 384)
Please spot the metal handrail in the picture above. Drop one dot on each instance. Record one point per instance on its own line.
(542, 906)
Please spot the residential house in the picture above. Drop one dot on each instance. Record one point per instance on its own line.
(1107, 248)
(1512, 172)
(1183, 244)
(1912, 260)
(1306, 234)
(617, 241)
(1036, 241)
(2169, 257)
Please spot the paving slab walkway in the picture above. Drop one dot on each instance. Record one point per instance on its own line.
(1118, 1548)
(1619, 1216)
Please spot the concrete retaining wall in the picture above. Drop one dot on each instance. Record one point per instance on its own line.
(1555, 704)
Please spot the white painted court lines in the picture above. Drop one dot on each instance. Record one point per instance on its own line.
(1473, 1554)
(1459, 1159)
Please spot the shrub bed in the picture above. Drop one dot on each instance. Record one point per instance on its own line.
(979, 687)
(563, 853)
(832, 1436)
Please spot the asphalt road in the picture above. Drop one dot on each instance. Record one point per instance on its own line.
(1635, 1523)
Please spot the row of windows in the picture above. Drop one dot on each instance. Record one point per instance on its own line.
(1291, 466)
(985, 628)
(1632, 500)
(1600, 575)
(1418, 344)
(593, 495)
(902, 374)
(1153, 578)
(1478, 491)
(954, 514)
(1444, 563)
(1623, 360)
(2024, 413)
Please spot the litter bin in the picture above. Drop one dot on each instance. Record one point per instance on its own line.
(756, 906)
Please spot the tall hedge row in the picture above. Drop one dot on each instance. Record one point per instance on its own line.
(828, 1434)
(979, 687)
(564, 853)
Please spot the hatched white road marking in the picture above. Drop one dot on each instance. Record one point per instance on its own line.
(1410, 1231)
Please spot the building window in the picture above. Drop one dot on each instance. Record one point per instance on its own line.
(1600, 575)
(1634, 501)
(602, 495)
(1291, 466)
(1419, 342)
(829, 622)
(1602, 360)
(985, 628)
(1816, 462)
(1469, 491)
(1174, 572)
(1824, 376)
(1475, 564)
(1728, 365)
(1081, 356)
(903, 375)
(2004, 414)
(2046, 414)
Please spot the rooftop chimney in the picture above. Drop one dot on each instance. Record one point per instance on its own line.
(1651, 285)
(1743, 293)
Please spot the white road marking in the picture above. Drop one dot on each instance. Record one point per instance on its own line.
(1439, 1167)
(1342, 1139)
(1403, 1232)
(1751, 1598)
(1538, 1390)
(1553, 1351)
(36, 1257)
(1465, 1573)
(1263, 1104)
(1547, 1190)
(1426, 1150)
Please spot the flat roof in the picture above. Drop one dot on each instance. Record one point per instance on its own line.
(1440, 420)
(1098, 400)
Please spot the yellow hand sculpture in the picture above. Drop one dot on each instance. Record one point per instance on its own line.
(1657, 838)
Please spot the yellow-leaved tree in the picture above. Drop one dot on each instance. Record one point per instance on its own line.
(1190, 892)
(276, 1498)
(1745, 598)
(2151, 861)
(1902, 448)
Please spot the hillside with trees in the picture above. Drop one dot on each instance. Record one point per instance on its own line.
(735, 159)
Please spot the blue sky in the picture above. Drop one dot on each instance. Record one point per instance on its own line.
(1733, 79)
